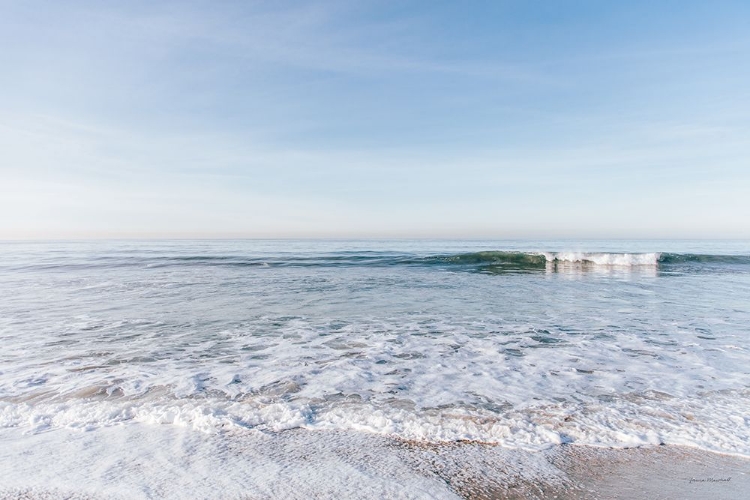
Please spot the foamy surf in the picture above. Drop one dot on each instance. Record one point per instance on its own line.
(714, 422)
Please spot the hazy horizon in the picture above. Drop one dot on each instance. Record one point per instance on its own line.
(506, 120)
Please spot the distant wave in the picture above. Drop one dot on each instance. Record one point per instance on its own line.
(542, 259)
(480, 261)
(606, 259)
(521, 259)
(682, 258)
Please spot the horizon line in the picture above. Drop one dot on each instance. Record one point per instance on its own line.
(245, 237)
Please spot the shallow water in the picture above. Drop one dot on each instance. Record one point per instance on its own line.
(521, 343)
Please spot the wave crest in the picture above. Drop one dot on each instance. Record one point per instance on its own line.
(606, 259)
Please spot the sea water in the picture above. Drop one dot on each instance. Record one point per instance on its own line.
(522, 344)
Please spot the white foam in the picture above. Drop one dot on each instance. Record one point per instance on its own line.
(715, 422)
(605, 259)
(142, 461)
(507, 387)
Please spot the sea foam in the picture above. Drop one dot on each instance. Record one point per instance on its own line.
(605, 259)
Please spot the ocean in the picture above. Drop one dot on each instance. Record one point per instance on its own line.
(128, 364)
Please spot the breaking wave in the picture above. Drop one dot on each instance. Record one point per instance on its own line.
(492, 260)
(542, 259)
(502, 260)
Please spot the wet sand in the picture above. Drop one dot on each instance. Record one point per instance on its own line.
(661, 472)
(477, 471)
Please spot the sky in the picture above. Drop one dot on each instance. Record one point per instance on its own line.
(341, 119)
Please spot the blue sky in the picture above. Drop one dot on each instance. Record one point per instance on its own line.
(375, 119)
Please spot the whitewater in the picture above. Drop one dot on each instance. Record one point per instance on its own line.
(236, 345)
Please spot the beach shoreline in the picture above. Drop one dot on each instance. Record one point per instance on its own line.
(147, 461)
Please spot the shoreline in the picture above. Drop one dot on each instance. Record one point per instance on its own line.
(171, 462)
